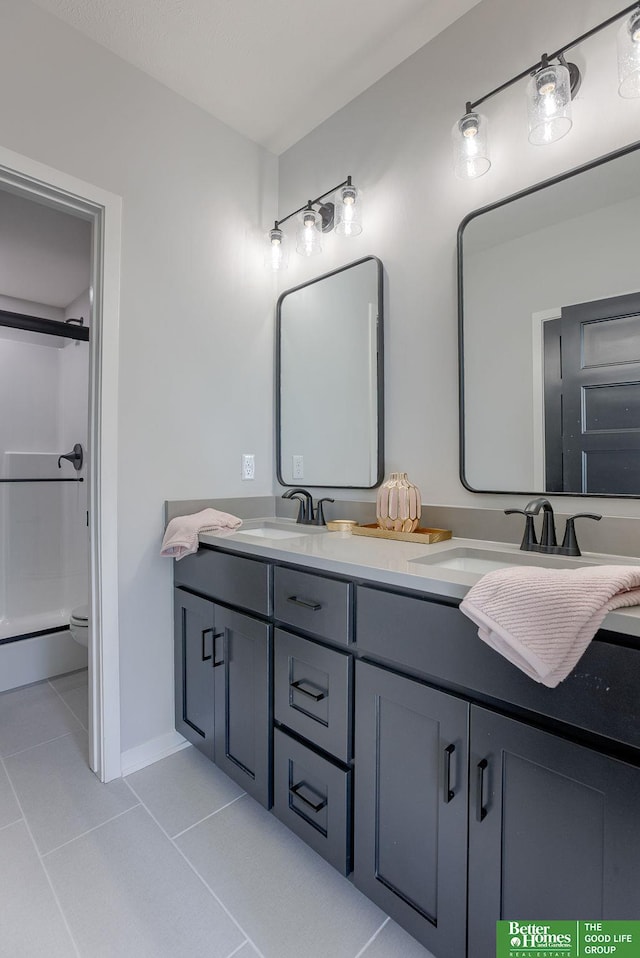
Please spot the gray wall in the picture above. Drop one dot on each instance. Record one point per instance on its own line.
(395, 141)
(196, 325)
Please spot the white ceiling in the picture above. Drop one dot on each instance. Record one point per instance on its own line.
(45, 255)
(271, 69)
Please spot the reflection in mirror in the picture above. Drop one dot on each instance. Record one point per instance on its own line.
(329, 388)
(550, 336)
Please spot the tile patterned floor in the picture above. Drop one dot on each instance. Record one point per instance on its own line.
(175, 861)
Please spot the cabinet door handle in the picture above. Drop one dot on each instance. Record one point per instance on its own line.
(299, 686)
(481, 812)
(205, 632)
(448, 791)
(316, 806)
(306, 603)
(217, 635)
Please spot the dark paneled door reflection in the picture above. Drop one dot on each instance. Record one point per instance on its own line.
(592, 412)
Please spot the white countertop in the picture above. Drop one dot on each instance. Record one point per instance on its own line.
(389, 562)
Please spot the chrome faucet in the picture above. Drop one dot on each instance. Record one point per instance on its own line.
(548, 543)
(307, 515)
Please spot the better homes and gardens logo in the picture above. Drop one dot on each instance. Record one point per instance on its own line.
(567, 939)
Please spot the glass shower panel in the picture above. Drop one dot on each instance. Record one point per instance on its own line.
(43, 534)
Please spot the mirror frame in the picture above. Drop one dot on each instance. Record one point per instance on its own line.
(552, 181)
(379, 373)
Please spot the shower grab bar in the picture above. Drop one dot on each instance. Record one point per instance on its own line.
(43, 480)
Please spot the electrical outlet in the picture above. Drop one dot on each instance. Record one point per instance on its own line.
(248, 466)
(298, 467)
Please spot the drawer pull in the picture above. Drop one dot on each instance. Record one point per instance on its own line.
(481, 812)
(217, 635)
(299, 686)
(205, 632)
(316, 806)
(305, 603)
(448, 791)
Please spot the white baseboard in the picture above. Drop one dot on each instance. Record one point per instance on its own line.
(152, 751)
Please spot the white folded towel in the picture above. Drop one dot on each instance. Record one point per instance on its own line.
(181, 535)
(542, 620)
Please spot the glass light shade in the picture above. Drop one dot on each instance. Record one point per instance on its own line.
(629, 56)
(308, 235)
(549, 104)
(470, 137)
(348, 211)
(276, 255)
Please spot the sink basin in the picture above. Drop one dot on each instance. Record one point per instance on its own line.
(271, 532)
(277, 529)
(479, 561)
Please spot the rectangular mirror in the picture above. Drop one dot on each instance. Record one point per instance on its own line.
(329, 379)
(549, 336)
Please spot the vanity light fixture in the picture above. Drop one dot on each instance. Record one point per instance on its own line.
(277, 253)
(470, 145)
(348, 210)
(553, 83)
(308, 233)
(549, 102)
(629, 56)
(318, 216)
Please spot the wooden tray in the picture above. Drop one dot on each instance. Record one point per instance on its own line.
(428, 536)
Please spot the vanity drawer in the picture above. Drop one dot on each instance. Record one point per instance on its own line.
(230, 578)
(312, 693)
(440, 643)
(314, 604)
(312, 796)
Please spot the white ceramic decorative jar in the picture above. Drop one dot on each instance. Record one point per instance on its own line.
(398, 504)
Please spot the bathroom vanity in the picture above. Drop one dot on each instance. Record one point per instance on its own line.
(336, 681)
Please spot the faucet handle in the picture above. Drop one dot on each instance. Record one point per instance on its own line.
(569, 542)
(529, 539)
(320, 520)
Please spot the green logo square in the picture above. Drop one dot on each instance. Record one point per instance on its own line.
(567, 939)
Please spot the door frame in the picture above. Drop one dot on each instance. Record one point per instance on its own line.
(34, 180)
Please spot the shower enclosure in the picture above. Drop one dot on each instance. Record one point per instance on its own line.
(44, 541)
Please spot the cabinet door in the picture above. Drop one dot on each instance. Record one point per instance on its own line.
(242, 672)
(194, 676)
(410, 811)
(554, 831)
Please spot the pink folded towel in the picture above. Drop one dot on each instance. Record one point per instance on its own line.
(542, 620)
(181, 536)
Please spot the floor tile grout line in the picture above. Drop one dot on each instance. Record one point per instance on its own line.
(239, 948)
(66, 705)
(373, 938)
(197, 873)
(88, 831)
(206, 817)
(9, 824)
(38, 745)
(42, 864)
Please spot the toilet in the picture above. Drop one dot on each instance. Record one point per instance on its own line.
(79, 625)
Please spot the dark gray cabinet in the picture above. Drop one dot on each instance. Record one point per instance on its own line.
(242, 726)
(553, 830)
(194, 631)
(395, 749)
(223, 689)
(410, 822)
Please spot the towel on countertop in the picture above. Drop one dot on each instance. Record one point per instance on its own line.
(542, 620)
(181, 536)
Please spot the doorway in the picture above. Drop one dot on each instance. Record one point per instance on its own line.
(101, 210)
